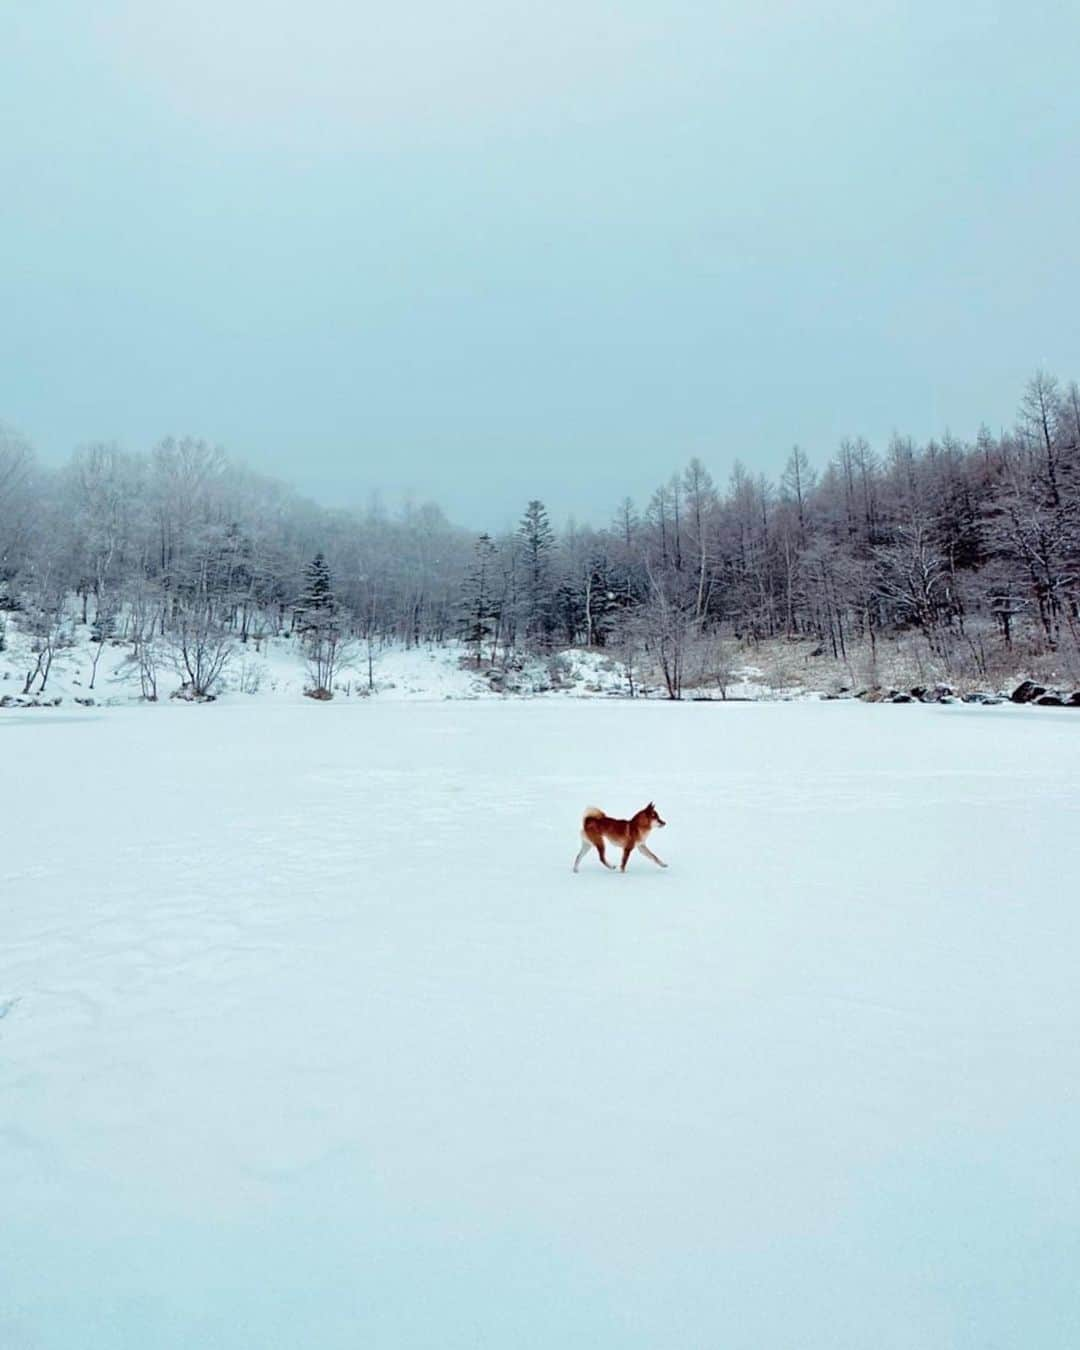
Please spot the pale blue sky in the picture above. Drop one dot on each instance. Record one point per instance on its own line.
(493, 250)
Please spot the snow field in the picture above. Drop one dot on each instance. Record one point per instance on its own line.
(311, 1037)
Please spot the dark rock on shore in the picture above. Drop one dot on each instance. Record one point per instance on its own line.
(935, 693)
(876, 695)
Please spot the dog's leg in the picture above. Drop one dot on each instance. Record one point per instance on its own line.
(603, 855)
(629, 848)
(581, 853)
(644, 848)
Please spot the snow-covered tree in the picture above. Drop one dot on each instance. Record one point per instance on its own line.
(479, 608)
(536, 543)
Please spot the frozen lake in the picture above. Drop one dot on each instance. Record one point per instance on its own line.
(310, 1038)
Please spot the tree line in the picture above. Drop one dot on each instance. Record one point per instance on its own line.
(970, 548)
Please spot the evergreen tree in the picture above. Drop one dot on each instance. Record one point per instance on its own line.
(317, 596)
(601, 601)
(324, 628)
(536, 540)
(478, 602)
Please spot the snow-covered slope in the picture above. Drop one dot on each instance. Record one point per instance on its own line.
(311, 1038)
(274, 670)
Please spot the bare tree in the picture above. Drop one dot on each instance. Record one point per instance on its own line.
(16, 470)
(668, 624)
(700, 492)
(200, 648)
(913, 580)
(44, 620)
(326, 649)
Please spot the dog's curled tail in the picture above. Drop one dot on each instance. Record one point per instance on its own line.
(591, 812)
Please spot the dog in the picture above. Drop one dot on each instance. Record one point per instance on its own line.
(626, 834)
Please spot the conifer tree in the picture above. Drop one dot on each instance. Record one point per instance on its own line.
(325, 638)
(478, 603)
(536, 540)
(318, 592)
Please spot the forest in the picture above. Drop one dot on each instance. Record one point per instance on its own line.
(962, 555)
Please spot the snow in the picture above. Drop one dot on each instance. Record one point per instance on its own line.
(310, 1037)
(274, 670)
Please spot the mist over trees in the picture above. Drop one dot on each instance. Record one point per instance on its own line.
(970, 549)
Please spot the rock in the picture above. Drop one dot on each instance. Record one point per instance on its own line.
(1050, 700)
(902, 698)
(876, 695)
(85, 702)
(1027, 692)
(1073, 701)
(935, 693)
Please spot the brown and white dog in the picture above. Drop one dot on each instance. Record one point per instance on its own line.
(626, 834)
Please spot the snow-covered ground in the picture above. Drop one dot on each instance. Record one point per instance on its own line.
(310, 1037)
(274, 669)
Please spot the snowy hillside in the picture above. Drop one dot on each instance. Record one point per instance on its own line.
(310, 1037)
(275, 669)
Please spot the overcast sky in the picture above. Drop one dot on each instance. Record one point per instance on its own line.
(496, 249)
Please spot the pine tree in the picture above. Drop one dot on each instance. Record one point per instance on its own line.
(601, 601)
(536, 540)
(317, 596)
(323, 627)
(478, 606)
